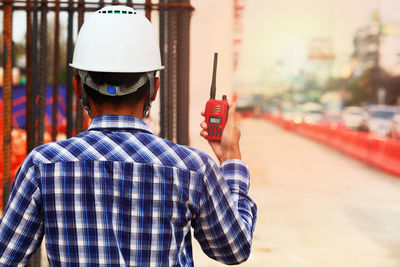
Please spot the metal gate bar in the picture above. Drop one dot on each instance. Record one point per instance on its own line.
(43, 71)
(183, 78)
(174, 45)
(35, 80)
(7, 100)
(70, 90)
(29, 61)
(148, 9)
(55, 71)
(162, 92)
(172, 35)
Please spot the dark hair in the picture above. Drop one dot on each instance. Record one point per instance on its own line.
(126, 79)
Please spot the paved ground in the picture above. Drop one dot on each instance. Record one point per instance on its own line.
(316, 207)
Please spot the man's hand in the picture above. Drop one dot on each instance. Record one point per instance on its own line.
(228, 147)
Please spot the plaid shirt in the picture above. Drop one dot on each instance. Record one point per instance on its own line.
(117, 195)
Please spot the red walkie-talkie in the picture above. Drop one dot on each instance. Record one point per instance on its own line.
(216, 110)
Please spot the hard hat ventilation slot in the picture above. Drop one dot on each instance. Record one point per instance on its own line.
(117, 12)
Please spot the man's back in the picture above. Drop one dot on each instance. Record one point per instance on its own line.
(118, 195)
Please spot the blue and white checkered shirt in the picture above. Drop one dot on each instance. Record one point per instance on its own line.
(117, 195)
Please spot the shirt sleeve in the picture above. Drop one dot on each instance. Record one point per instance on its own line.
(21, 227)
(227, 215)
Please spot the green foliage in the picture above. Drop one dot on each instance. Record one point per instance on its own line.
(358, 92)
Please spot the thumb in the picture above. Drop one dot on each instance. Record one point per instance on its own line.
(232, 113)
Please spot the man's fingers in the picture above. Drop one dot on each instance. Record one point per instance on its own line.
(203, 125)
(203, 113)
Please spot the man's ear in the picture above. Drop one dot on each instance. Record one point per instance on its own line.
(76, 82)
(156, 87)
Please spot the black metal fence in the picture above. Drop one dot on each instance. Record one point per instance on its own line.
(174, 28)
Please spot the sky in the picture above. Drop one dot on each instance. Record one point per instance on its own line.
(280, 32)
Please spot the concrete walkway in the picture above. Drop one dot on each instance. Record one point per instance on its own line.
(316, 207)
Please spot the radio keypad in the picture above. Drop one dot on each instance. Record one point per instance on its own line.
(214, 130)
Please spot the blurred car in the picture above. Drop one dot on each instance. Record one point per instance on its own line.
(292, 113)
(334, 121)
(353, 117)
(244, 104)
(288, 114)
(313, 116)
(312, 113)
(395, 130)
(298, 117)
(363, 127)
(270, 108)
(380, 119)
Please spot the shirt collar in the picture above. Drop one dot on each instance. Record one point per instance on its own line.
(118, 122)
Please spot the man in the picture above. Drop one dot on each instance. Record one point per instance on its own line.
(117, 195)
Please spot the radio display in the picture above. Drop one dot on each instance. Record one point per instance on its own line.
(215, 120)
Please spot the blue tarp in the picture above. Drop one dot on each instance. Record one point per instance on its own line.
(19, 105)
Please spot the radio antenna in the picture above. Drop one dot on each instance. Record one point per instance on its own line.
(214, 77)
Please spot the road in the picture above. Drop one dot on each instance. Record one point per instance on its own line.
(316, 206)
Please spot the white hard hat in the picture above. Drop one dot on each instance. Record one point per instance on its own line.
(117, 39)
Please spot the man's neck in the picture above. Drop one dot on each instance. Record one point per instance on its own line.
(133, 111)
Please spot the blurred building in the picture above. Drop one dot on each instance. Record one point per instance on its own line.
(366, 47)
(320, 57)
(378, 45)
(377, 52)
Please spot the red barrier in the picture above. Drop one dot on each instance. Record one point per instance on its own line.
(387, 156)
(246, 114)
(382, 153)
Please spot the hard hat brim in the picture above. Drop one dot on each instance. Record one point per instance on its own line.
(75, 66)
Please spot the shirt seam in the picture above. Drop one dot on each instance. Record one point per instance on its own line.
(132, 162)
